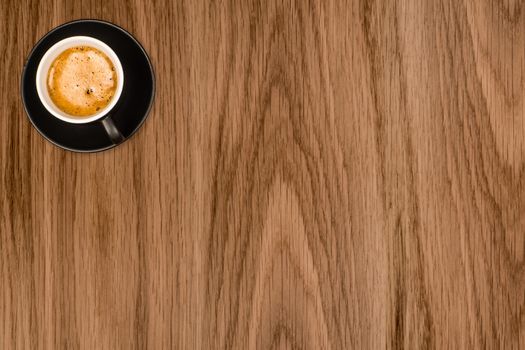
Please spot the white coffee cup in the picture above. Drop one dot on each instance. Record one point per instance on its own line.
(45, 65)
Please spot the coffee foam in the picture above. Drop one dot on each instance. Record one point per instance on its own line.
(81, 81)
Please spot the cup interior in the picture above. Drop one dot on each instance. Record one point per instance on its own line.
(45, 65)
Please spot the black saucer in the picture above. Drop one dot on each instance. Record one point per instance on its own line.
(134, 104)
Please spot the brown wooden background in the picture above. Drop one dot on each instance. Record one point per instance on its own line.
(313, 175)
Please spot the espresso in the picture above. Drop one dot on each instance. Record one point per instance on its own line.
(82, 81)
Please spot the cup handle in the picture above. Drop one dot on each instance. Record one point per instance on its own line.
(112, 131)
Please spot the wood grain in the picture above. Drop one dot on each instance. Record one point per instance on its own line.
(313, 175)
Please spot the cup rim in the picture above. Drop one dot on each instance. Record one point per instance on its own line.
(63, 45)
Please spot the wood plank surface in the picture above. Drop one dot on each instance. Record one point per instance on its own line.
(335, 174)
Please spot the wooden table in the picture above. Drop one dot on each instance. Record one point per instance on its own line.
(313, 175)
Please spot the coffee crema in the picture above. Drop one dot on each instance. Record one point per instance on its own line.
(82, 81)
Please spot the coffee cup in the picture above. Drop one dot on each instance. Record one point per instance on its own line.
(102, 113)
